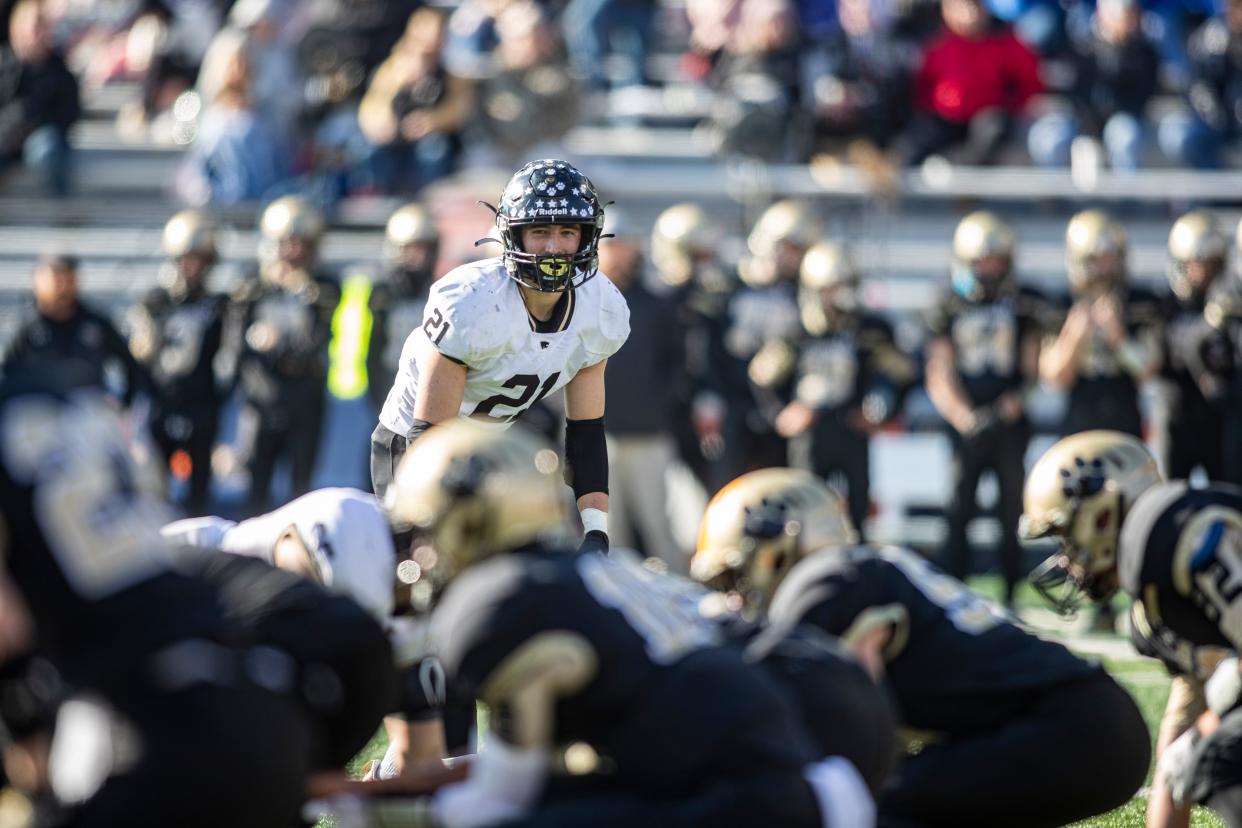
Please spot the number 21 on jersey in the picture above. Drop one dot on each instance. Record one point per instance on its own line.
(526, 385)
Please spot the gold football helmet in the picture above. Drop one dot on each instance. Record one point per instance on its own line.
(475, 492)
(1095, 251)
(682, 234)
(1195, 241)
(980, 240)
(827, 276)
(1079, 492)
(291, 217)
(982, 234)
(411, 224)
(757, 527)
(786, 224)
(190, 231)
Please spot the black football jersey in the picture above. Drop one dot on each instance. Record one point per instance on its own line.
(1195, 354)
(836, 370)
(1180, 553)
(81, 539)
(754, 317)
(186, 334)
(956, 663)
(302, 324)
(987, 338)
(670, 700)
(844, 711)
(1105, 395)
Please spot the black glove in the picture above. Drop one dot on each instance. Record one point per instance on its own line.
(595, 541)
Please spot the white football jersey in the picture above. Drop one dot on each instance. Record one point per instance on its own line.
(346, 529)
(475, 315)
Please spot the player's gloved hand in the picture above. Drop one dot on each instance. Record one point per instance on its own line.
(984, 419)
(594, 541)
(1223, 690)
(1177, 762)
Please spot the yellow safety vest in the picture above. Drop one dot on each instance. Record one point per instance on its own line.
(351, 339)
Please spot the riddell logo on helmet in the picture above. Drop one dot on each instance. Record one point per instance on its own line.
(546, 211)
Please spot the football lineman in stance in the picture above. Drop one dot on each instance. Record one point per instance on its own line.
(1174, 550)
(981, 698)
(610, 703)
(140, 704)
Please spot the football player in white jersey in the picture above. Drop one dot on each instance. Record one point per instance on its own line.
(500, 334)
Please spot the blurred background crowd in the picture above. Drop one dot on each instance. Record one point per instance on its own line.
(349, 97)
(230, 212)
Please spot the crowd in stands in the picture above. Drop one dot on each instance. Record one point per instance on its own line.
(336, 98)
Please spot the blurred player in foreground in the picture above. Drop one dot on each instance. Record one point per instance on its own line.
(982, 699)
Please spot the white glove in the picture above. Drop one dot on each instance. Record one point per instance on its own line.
(1177, 762)
(1224, 687)
(503, 785)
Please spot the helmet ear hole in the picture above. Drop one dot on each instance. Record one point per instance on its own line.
(1103, 519)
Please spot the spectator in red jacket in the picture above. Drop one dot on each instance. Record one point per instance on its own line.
(976, 78)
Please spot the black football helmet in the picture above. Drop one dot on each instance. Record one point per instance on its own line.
(550, 192)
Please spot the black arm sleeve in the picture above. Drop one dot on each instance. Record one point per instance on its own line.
(586, 456)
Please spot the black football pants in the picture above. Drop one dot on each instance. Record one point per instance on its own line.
(1003, 450)
(293, 437)
(837, 449)
(203, 758)
(169, 433)
(772, 800)
(1079, 749)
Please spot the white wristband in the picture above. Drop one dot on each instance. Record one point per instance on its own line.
(842, 795)
(594, 520)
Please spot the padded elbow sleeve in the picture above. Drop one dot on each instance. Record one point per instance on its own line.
(586, 456)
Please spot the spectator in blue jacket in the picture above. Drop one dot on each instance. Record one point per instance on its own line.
(236, 156)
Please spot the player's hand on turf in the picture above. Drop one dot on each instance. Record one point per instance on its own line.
(1177, 762)
(595, 541)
